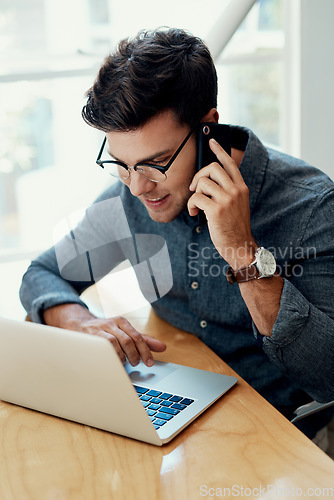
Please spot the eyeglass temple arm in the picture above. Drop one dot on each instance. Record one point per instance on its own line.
(192, 130)
(101, 150)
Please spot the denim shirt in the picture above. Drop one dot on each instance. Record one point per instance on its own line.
(292, 214)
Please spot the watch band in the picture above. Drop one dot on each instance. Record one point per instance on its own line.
(242, 275)
(263, 266)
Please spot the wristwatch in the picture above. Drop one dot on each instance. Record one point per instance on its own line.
(263, 266)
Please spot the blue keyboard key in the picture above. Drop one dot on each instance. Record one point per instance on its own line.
(145, 403)
(166, 403)
(165, 395)
(156, 401)
(171, 411)
(154, 407)
(164, 416)
(159, 421)
(150, 413)
(145, 398)
(177, 406)
(140, 390)
(153, 393)
(186, 401)
(176, 399)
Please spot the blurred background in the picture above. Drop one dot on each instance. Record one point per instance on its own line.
(275, 76)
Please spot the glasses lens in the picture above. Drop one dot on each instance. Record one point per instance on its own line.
(116, 170)
(151, 173)
(120, 172)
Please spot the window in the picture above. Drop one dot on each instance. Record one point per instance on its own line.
(48, 63)
(250, 73)
(47, 152)
(51, 53)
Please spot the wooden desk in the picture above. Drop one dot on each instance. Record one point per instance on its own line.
(241, 443)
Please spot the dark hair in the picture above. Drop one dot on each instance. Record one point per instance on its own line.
(155, 71)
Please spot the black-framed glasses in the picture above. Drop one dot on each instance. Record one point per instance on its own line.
(153, 172)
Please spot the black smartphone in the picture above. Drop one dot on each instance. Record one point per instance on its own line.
(222, 134)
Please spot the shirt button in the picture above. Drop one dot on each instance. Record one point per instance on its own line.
(203, 323)
(194, 285)
(198, 229)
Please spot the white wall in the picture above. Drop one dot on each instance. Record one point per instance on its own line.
(309, 83)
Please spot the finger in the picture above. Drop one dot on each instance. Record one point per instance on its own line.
(154, 344)
(114, 342)
(121, 334)
(133, 343)
(216, 173)
(229, 164)
(214, 190)
(199, 201)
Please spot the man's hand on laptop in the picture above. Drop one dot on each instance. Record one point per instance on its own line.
(127, 341)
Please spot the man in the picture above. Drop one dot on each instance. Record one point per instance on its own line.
(277, 332)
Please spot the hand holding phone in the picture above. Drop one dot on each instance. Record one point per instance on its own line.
(220, 191)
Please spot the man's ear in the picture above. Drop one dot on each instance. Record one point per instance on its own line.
(211, 116)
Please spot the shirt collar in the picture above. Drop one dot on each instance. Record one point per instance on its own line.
(254, 162)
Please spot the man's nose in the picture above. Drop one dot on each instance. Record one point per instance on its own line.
(139, 184)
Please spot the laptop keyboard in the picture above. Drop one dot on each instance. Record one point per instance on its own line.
(160, 406)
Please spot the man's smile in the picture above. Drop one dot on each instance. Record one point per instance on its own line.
(156, 202)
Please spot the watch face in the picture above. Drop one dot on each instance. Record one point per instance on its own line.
(266, 262)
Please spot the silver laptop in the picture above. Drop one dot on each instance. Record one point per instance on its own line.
(80, 377)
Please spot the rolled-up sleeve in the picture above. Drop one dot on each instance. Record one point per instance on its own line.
(302, 338)
(43, 287)
(302, 344)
